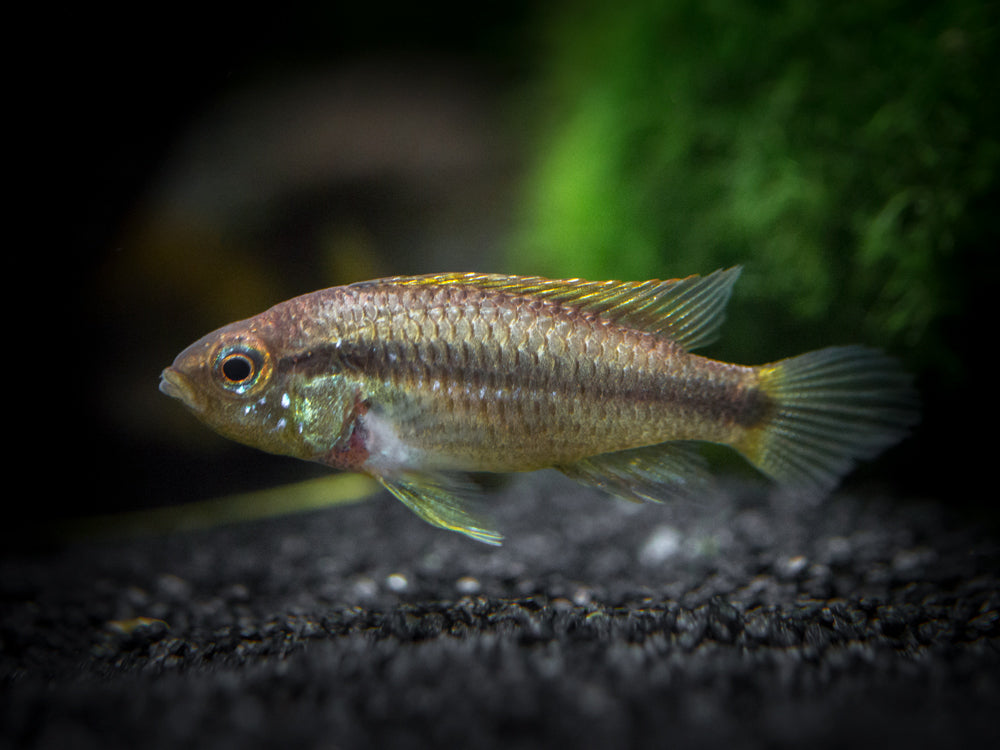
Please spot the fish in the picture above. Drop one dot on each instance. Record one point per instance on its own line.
(423, 381)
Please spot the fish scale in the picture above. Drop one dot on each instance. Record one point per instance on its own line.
(415, 380)
(562, 421)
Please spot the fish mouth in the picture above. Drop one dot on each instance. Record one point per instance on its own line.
(175, 385)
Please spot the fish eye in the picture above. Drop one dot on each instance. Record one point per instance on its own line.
(238, 368)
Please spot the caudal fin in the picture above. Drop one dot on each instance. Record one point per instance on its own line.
(832, 407)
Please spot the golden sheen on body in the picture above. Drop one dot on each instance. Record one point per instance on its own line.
(415, 380)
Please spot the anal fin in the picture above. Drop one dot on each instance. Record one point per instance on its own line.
(441, 500)
(653, 473)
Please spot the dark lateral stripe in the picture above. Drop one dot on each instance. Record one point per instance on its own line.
(710, 398)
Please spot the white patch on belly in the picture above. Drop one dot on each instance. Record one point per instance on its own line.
(387, 453)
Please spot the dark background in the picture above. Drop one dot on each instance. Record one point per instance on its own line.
(178, 170)
(187, 170)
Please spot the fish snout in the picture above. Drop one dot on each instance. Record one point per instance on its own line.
(176, 385)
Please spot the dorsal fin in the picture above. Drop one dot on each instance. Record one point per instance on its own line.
(689, 311)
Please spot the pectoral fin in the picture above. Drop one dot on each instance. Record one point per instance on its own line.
(656, 472)
(442, 501)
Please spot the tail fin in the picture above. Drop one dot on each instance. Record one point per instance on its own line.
(831, 408)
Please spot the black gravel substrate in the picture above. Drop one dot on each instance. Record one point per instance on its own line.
(745, 620)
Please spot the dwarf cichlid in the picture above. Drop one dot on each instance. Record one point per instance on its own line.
(414, 380)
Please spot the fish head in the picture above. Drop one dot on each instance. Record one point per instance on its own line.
(241, 382)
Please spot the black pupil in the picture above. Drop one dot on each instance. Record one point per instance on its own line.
(237, 368)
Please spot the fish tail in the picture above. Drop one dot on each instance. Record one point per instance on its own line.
(828, 409)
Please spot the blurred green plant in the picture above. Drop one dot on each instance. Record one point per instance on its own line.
(846, 154)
